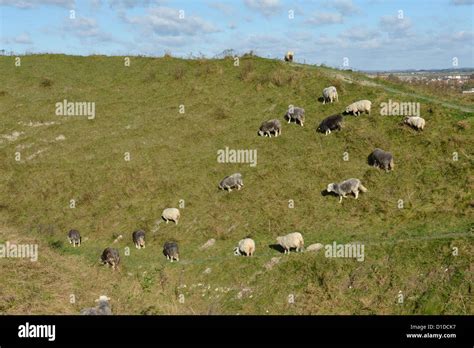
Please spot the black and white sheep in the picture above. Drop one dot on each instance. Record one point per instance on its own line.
(74, 238)
(330, 123)
(381, 159)
(139, 239)
(359, 107)
(171, 214)
(111, 257)
(269, 127)
(348, 186)
(232, 181)
(103, 308)
(245, 247)
(289, 56)
(291, 241)
(171, 251)
(415, 122)
(330, 95)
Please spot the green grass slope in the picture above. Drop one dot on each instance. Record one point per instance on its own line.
(408, 251)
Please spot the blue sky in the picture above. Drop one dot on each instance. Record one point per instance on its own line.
(370, 34)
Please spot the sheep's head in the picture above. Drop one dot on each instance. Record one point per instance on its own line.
(260, 133)
(279, 239)
(236, 251)
(330, 187)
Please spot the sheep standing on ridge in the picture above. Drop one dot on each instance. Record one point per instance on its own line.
(292, 240)
(295, 114)
(111, 257)
(330, 95)
(416, 122)
(348, 186)
(330, 123)
(245, 247)
(102, 309)
(381, 159)
(231, 181)
(269, 127)
(171, 214)
(289, 56)
(139, 239)
(359, 107)
(74, 238)
(171, 251)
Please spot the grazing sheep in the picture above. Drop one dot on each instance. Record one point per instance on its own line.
(295, 114)
(359, 107)
(74, 238)
(171, 214)
(292, 240)
(102, 309)
(269, 127)
(345, 187)
(289, 56)
(245, 247)
(171, 251)
(330, 95)
(111, 257)
(330, 123)
(139, 239)
(381, 159)
(231, 181)
(416, 122)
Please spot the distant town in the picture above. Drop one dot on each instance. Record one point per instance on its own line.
(459, 79)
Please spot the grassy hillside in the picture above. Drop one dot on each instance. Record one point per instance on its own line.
(174, 157)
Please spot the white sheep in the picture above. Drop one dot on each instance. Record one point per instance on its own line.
(246, 247)
(359, 107)
(171, 214)
(292, 240)
(416, 122)
(330, 95)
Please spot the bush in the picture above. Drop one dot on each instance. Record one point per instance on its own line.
(45, 82)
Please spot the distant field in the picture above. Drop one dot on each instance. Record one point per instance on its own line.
(173, 159)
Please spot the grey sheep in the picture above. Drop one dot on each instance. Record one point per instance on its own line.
(231, 181)
(381, 159)
(171, 251)
(103, 308)
(269, 127)
(295, 114)
(74, 238)
(111, 257)
(330, 95)
(139, 239)
(330, 123)
(348, 186)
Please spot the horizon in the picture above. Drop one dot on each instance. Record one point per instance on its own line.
(365, 35)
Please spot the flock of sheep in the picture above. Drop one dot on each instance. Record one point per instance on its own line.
(378, 158)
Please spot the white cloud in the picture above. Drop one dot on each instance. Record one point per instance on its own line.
(26, 4)
(166, 21)
(22, 39)
(265, 7)
(359, 34)
(86, 29)
(324, 18)
(394, 26)
(344, 7)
